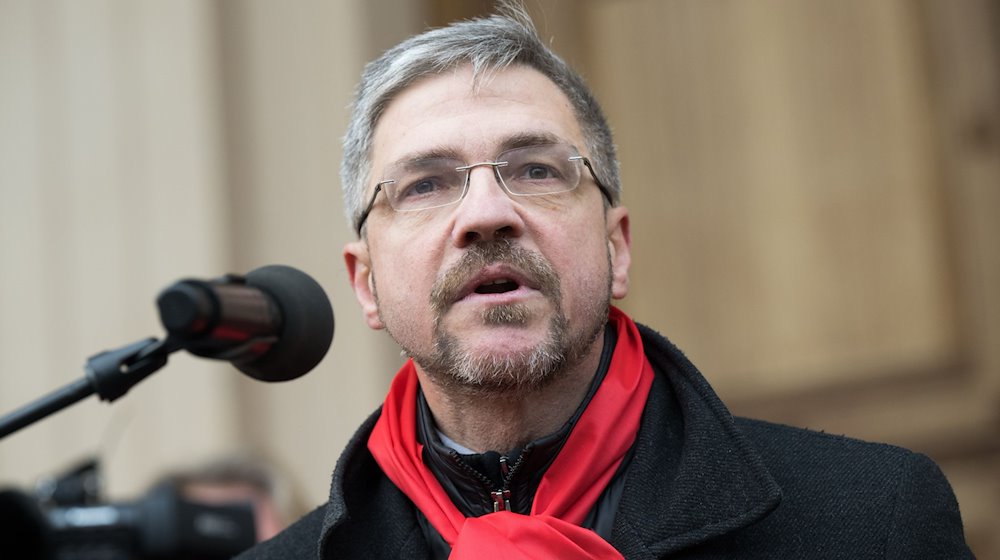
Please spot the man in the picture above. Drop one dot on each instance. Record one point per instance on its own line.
(534, 420)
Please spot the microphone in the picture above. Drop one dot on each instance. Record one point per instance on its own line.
(274, 324)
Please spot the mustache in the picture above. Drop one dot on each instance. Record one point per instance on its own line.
(495, 251)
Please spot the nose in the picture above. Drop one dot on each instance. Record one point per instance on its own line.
(487, 212)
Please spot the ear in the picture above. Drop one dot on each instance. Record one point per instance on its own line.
(359, 270)
(620, 250)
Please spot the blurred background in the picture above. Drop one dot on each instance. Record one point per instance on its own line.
(814, 188)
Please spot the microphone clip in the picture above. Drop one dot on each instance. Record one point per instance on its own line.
(113, 372)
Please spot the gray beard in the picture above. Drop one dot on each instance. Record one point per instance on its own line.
(452, 366)
(534, 367)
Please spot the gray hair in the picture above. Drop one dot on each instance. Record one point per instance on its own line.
(487, 44)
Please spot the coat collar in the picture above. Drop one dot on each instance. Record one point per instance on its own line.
(694, 475)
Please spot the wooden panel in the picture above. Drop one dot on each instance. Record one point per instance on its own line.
(815, 189)
(443, 12)
(779, 161)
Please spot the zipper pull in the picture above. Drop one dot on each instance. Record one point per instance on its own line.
(501, 500)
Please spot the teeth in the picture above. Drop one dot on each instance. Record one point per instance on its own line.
(497, 281)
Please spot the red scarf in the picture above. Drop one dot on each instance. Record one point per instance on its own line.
(569, 488)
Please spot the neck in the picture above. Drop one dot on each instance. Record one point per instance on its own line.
(509, 419)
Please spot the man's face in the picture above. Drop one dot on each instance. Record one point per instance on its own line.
(494, 291)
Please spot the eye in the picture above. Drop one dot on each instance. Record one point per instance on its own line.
(538, 172)
(423, 186)
(424, 191)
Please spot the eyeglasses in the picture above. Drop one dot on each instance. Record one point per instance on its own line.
(426, 184)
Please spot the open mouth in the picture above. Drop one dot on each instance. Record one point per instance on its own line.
(494, 283)
(497, 286)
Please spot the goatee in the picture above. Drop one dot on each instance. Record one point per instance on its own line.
(453, 365)
(449, 363)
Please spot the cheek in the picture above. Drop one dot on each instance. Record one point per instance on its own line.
(588, 278)
(403, 279)
(399, 279)
(584, 268)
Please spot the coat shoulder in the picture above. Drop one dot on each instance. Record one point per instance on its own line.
(816, 467)
(888, 498)
(782, 442)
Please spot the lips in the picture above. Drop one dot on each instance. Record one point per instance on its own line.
(494, 279)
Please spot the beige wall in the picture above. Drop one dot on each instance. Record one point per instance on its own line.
(145, 141)
(112, 183)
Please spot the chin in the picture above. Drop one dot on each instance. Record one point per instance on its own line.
(506, 357)
(506, 372)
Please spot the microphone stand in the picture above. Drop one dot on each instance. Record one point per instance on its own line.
(110, 374)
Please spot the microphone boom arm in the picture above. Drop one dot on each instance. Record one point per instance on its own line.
(274, 324)
(110, 374)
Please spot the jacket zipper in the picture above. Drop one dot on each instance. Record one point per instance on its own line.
(502, 497)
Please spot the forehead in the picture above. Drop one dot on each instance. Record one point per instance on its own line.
(473, 119)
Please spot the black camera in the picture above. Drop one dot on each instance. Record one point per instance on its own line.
(67, 524)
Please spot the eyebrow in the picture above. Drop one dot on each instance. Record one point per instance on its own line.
(529, 139)
(520, 140)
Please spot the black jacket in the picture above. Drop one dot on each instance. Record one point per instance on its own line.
(701, 485)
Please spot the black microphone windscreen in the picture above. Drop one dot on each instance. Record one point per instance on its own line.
(307, 329)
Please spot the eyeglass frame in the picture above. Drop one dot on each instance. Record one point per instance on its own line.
(465, 188)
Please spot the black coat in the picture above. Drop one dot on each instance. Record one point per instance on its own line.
(702, 485)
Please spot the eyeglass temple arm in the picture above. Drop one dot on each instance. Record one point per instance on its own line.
(368, 209)
(604, 190)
